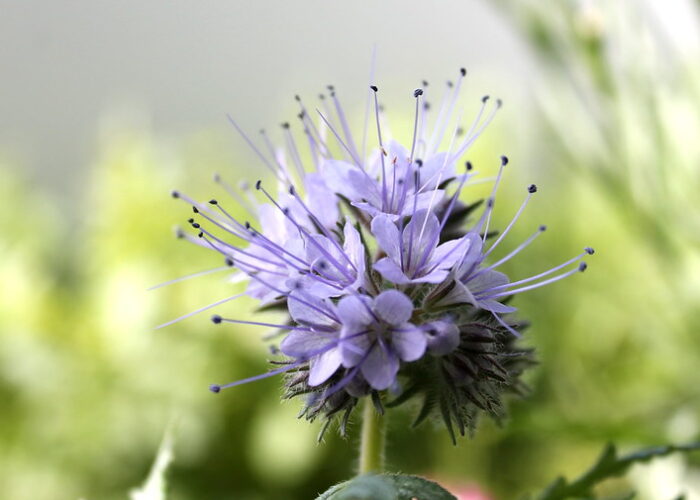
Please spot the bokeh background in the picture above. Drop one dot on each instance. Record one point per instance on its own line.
(107, 106)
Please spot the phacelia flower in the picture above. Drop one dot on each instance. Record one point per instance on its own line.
(382, 273)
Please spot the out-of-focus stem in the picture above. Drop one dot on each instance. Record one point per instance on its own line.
(372, 441)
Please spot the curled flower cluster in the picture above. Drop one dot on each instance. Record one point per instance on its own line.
(384, 272)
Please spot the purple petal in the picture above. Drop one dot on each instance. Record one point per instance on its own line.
(472, 257)
(323, 203)
(308, 309)
(394, 307)
(420, 237)
(409, 342)
(354, 312)
(495, 306)
(459, 294)
(482, 283)
(302, 344)
(449, 253)
(391, 271)
(387, 235)
(380, 368)
(353, 347)
(355, 251)
(443, 337)
(324, 366)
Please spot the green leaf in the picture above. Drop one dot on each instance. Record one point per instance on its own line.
(608, 465)
(387, 487)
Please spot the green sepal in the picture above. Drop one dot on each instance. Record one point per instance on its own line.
(387, 487)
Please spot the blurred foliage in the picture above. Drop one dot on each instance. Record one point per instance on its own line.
(88, 386)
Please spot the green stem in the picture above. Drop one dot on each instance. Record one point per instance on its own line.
(373, 440)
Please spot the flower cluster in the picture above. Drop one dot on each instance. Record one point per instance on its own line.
(383, 271)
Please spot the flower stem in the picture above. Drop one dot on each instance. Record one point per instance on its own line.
(372, 440)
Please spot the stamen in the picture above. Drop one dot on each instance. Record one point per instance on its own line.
(189, 276)
(254, 148)
(216, 319)
(581, 267)
(367, 105)
(344, 125)
(201, 309)
(340, 141)
(532, 189)
(492, 198)
(381, 146)
(416, 93)
(519, 248)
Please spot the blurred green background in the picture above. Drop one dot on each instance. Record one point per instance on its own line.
(604, 115)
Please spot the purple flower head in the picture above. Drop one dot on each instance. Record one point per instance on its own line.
(377, 336)
(384, 284)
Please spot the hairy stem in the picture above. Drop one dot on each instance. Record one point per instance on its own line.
(372, 441)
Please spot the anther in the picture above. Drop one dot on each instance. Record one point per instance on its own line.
(542, 228)
(485, 98)
(469, 166)
(459, 132)
(213, 202)
(450, 84)
(424, 83)
(179, 233)
(190, 220)
(330, 87)
(489, 203)
(196, 225)
(215, 388)
(285, 125)
(258, 184)
(589, 250)
(292, 191)
(532, 189)
(419, 162)
(175, 194)
(200, 235)
(216, 319)
(463, 71)
(195, 210)
(217, 177)
(426, 105)
(247, 225)
(229, 262)
(504, 160)
(582, 266)
(297, 98)
(417, 92)
(374, 87)
(499, 103)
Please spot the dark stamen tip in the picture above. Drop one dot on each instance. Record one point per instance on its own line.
(175, 194)
(330, 87)
(297, 98)
(463, 71)
(417, 92)
(450, 84)
(419, 162)
(195, 225)
(195, 209)
(485, 98)
(489, 203)
(292, 191)
(213, 202)
(424, 83)
(532, 189)
(258, 185)
(217, 177)
(543, 228)
(179, 233)
(321, 96)
(426, 105)
(582, 266)
(499, 103)
(215, 388)
(247, 225)
(229, 262)
(190, 220)
(469, 165)
(374, 88)
(589, 250)
(504, 160)
(216, 319)
(200, 234)
(285, 125)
